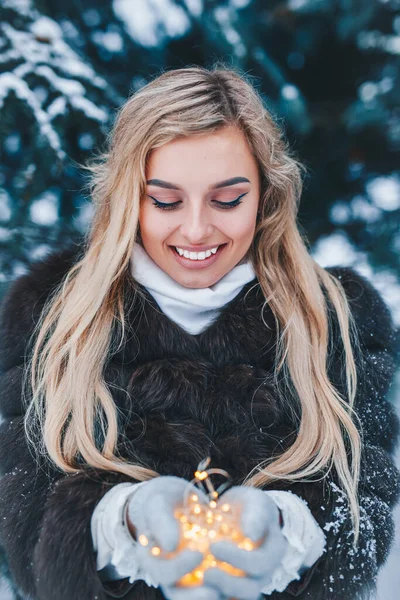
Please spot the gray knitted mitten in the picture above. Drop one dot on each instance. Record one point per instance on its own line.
(259, 521)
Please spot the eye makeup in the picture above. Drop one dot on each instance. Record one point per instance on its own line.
(173, 205)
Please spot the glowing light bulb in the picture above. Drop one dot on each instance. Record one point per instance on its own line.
(246, 545)
(199, 574)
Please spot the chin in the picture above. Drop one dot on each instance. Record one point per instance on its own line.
(192, 284)
(200, 282)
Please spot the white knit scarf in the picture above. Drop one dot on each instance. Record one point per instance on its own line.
(192, 308)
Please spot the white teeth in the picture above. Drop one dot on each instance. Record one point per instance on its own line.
(196, 255)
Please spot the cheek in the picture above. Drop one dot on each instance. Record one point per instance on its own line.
(152, 226)
(241, 228)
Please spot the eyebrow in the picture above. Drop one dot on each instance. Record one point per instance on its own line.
(174, 186)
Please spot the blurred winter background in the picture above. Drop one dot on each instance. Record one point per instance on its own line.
(327, 69)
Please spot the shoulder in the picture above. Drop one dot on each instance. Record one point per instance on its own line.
(25, 297)
(361, 293)
(372, 316)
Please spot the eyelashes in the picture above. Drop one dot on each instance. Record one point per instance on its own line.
(173, 205)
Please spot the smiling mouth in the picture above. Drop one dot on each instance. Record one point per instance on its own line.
(198, 259)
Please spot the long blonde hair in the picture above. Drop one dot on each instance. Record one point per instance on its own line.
(73, 335)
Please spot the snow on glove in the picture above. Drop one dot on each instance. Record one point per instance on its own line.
(259, 520)
(151, 510)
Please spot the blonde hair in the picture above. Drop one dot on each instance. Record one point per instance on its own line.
(73, 334)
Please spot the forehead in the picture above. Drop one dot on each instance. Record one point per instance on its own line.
(203, 158)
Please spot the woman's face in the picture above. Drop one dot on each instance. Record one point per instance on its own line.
(209, 189)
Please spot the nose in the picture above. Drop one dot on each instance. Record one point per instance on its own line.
(197, 224)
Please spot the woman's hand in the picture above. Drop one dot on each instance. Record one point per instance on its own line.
(259, 520)
(151, 511)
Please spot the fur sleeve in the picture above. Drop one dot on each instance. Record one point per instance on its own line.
(343, 572)
(44, 513)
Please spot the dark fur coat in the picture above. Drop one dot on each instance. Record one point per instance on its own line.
(190, 396)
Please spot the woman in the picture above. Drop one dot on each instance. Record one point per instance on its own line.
(124, 364)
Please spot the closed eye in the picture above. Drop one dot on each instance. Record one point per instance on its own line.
(172, 205)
